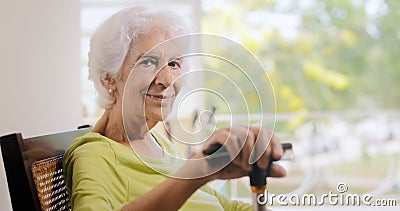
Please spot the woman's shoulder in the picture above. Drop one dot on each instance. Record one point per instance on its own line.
(90, 139)
(91, 143)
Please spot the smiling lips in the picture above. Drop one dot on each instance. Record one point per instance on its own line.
(158, 97)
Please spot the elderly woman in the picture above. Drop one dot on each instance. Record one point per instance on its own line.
(105, 169)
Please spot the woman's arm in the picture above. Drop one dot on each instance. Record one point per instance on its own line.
(169, 195)
(173, 192)
(97, 182)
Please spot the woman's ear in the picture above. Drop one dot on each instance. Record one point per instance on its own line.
(108, 81)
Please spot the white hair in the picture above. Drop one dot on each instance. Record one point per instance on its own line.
(111, 42)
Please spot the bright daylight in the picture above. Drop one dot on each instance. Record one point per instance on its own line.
(200, 105)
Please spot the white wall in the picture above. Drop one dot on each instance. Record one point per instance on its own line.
(40, 69)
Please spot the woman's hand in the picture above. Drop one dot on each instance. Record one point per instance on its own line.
(246, 145)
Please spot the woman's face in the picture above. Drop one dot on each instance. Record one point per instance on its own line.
(155, 68)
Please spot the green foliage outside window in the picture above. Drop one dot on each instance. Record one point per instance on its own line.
(337, 55)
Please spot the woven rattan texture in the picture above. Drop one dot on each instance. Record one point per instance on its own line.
(49, 183)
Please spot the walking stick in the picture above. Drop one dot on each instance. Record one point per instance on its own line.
(258, 176)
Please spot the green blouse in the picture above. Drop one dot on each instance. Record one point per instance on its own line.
(102, 174)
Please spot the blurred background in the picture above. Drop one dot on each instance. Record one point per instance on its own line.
(335, 72)
(333, 65)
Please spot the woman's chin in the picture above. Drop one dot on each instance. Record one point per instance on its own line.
(156, 116)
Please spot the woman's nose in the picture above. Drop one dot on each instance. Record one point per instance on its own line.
(164, 77)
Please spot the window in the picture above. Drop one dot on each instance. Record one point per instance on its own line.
(334, 70)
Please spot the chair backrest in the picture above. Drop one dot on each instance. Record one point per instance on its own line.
(34, 169)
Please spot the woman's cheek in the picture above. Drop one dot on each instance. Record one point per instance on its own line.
(177, 86)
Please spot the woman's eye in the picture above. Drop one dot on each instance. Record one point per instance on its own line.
(148, 62)
(174, 65)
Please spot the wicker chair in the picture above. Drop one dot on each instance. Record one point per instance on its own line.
(34, 169)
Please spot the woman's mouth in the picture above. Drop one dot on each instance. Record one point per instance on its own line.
(158, 97)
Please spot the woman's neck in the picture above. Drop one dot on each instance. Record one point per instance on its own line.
(111, 126)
